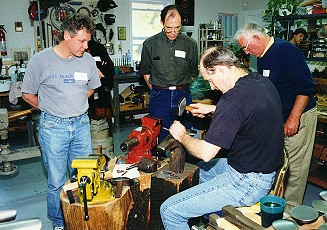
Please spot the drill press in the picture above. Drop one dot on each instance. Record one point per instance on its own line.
(6, 154)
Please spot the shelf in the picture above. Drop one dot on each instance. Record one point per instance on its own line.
(318, 174)
(203, 41)
(322, 81)
(290, 18)
(317, 59)
(208, 40)
(211, 29)
(125, 78)
(133, 112)
(297, 17)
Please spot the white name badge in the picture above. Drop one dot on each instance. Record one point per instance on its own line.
(97, 58)
(266, 73)
(80, 76)
(180, 53)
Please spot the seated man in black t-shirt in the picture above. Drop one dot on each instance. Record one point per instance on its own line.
(248, 122)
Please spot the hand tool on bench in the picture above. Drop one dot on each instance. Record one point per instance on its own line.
(237, 218)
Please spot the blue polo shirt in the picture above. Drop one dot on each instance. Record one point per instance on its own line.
(285, 65)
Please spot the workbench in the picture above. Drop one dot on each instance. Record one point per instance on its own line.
(318, 167)
(124, 78)
(137, 208)
(247, 218)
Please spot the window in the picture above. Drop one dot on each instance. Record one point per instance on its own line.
(145, 22)
(230, 25)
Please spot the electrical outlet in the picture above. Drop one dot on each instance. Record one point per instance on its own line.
(120, 46)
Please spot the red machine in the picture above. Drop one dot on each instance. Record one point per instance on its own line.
(141, 141)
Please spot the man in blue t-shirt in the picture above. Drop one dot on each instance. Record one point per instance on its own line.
(285, 65)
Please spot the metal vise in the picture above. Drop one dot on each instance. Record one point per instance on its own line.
(92, 187)
(141, 141)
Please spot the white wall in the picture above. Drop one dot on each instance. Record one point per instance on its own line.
(16, 11)
(205, 11)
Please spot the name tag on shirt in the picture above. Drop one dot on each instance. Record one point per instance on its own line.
(266, 73)
(97, 58)
(78, 76)
(180, 53)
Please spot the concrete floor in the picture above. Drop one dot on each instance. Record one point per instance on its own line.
(26, 192)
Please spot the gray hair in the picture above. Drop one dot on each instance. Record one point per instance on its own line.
(249, 29)
(219, 56)
(72, 24)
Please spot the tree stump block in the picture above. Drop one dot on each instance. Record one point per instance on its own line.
(138, 208)
(162, 188)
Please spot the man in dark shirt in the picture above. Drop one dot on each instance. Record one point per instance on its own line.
(169, 62)
(248, 122)
(298, 36)
(101, 103)
(286, 67)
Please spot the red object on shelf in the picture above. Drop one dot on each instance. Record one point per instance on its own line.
(317, 9)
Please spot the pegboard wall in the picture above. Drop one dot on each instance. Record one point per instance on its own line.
(102, 12)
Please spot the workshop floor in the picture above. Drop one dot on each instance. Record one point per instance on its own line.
(26, 192)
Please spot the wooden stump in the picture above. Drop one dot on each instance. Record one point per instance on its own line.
(133, 209)
(109, 215)
(163, 188)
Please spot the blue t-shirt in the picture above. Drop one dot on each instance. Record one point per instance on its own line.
(61, 83)
(248, 122)
(285, 65)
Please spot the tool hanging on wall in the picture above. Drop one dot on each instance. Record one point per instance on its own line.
(105, 5)
(110, 45)
(3, 47)
(59, 13)
(34, 13)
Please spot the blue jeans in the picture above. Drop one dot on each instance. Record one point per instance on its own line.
(61, 140)
(163, 104)
(220, 185)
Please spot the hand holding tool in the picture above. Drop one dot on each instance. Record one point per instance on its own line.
(181, 107)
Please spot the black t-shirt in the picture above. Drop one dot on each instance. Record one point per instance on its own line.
(248, 121)
(96, 49)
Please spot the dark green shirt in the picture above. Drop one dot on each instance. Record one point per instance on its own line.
(170, 63)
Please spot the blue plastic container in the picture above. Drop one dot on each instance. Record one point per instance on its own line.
(272, 208)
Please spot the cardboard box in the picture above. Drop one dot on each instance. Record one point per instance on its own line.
(129, 106)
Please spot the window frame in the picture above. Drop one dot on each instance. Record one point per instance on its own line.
(132, 39)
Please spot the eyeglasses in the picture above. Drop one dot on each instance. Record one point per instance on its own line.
(211, 70)
(246, 47)
(171, 30)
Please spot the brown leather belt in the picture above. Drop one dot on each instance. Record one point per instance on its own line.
(176, 87)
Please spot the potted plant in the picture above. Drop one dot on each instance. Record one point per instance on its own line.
(279, 8)
(241, 55)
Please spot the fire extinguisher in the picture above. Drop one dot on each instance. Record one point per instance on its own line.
(3, 47)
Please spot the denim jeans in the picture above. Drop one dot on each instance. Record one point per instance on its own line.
(220, 185)
(163, 104)
(61, 140)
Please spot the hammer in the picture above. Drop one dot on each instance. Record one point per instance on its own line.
(181, 106)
